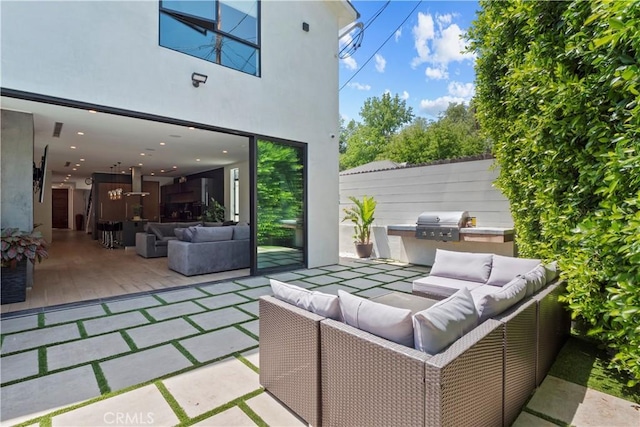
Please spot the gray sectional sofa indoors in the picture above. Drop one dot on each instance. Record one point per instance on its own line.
(503, 341)
(154, 241)
(202, 250)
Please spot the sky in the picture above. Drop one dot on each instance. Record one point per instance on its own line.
(422, 61)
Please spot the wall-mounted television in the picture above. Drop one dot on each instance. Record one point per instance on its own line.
(39, 175)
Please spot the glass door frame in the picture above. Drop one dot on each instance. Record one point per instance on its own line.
(253, 182)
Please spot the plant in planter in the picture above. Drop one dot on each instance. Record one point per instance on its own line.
(214, 212)
(17, 247)
(361, 214)
(137, 210)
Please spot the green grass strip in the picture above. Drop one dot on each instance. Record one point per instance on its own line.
(236, 402)
(106, 308)
(185, 353)
(194, 324)
(40, 320)
(251, 414)
(102, 380)
(246, 331)
(250, 365)
(46, 422)
(546, 417)
(148, 316)
(173, 403)
(129, 340)
(83, 331)
(42, 361)
(582, 362)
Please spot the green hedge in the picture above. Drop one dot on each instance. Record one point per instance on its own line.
(558, 91)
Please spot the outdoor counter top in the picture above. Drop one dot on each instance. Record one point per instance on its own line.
(469, 234)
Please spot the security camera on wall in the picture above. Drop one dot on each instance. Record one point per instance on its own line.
(39, 175)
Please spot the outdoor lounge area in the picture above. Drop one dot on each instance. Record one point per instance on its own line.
(191, 356)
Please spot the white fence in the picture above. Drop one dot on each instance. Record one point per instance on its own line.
(403, 193)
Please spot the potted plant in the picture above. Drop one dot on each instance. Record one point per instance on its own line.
(214, 212)
(137, 211)
(361, 214)
(18, 246)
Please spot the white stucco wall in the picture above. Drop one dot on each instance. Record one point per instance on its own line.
(403, 194)
(107, 53)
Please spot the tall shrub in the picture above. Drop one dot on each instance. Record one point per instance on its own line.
(558, 91)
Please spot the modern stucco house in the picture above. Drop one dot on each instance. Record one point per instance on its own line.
(271, 71)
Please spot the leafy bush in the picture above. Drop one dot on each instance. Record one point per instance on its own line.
(558, 91)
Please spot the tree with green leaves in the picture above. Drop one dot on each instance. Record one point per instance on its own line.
(558, 92)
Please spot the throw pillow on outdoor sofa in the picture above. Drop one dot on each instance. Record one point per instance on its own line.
(551, 271)
(316, 302)
(536, 279)
(440, 325)
(508, 295)
(506, 268)
(474, 267)
(378, 319)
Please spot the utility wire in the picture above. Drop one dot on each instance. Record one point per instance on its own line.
(383, 43)
(352, 47)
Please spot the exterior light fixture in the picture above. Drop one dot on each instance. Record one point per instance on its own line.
(197, 78)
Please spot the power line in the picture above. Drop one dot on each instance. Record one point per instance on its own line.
(356, 41)
(383, 43)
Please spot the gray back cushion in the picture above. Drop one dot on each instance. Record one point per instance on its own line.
(505, 297)
(184, 234)
(211, 234)
(536, 279)
(241, 232)
(462, 265)
(505, 268)
(317, 302)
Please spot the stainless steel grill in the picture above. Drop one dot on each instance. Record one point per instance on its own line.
(443, 226)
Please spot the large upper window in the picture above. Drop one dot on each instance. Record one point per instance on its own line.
(220, 31)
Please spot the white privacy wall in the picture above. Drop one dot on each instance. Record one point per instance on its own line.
(107, 53)
(404, 193)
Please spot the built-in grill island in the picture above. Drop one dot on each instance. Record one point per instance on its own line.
(441, 226)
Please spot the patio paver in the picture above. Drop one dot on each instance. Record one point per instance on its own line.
(221, 288)
(219, 318)
(216, 344)
(18, 324)
(256, 293)
(273, 412)
(39, 337)
(174, 310)
(322, 280)
(386, 267)
(400, 286)
(404, 273)
(310, 272)
(254, 282)
(347, 274)
(230, 417)
(334, 267)
(19, 366)
(72, 314)
(29, 399)
(251, 307)
(82, 351)
(114, 322)
(144, 406)
(253, 327)
(528, 420)
(199, 391)
(361, 283)
(132, 304)
(181, 295)
(143, 366)
(367, 270)
(220, 301)
(284, 277)
(383, 277)
(156, 333)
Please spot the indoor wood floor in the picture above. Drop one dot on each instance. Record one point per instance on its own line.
(80, 269)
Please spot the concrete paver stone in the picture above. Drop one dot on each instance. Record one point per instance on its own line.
(383, 277)
(252, 307)
(72, 314)
(322, 280)
(86, 350)
(39, 337)
(334, 267)
(256, 293)
(29, 399)
(132, 304)
(310, 272)
(143, 366)
(400, 286)
(404, 273)
(253, 356)
(15, 324)
(220, 301)
(367, 270)
(273, 412)
(211, 386)
(528, 420)
(221, 288)
(143, 406)
(114, 322)
(231, 417)
(582, 407)
(254, 282)
(18, 366)
(156, 333)
(361, 283)
(181, 295)
(216, 344)
(284, 277)
(346, 274)
(387, 267)
(253, 327)
(174, 310)
(219, 318)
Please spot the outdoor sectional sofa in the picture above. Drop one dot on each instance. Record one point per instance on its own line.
(334, 374)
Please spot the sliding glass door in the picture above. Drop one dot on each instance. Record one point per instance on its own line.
(279, 206)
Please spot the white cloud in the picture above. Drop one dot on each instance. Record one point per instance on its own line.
(405, 95)
(438, 73)
(438, 47)
(422, 33)
(398, 34)
(359, 86)
(436, 106)
(350, 63)
(462, 90)
(380, 63)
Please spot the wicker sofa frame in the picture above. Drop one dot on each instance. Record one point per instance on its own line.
(332, 374)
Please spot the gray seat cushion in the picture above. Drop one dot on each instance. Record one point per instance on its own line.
(443, 286)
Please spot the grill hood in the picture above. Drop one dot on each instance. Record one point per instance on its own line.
(136, 182)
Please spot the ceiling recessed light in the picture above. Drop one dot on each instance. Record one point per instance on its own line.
(225, 151)
(175, 167)
(139, 164)
(142, 154)
(82, 160)
(162, 143)
(69, 175)
(93, 111)
(161, 170)
(73, 147)
(197, 160)
(80, 133)
(77, 164)
(152, 173)
(191, 128)
(74, 169)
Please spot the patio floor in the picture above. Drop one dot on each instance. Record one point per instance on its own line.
(190, 356)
